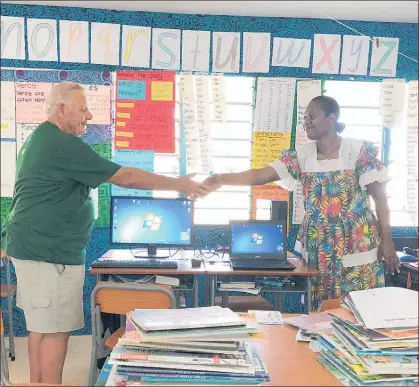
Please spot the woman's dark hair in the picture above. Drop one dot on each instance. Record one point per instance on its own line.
(330, 106)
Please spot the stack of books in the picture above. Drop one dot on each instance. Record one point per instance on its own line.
(210, 345)
(374, 339)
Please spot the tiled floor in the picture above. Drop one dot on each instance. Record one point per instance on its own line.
(76, 368)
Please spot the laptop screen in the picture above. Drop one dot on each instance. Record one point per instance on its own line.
(258, 238)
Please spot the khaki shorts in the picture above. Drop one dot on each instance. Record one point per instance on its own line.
(51, 295)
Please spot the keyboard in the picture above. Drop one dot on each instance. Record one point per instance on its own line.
(262, 264)
(135, 263)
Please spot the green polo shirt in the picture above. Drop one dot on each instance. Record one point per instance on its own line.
(51, 215)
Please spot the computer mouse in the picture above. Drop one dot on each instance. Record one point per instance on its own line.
(196, 262)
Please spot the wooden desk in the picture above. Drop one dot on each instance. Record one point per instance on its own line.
(224, 268)
(291, 363)
(184, 268)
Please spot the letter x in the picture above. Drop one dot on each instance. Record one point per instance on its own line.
(326, 55)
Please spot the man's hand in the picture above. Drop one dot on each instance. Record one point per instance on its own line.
(387, 254)
(192, 189)
(214, 182)
(3, 254)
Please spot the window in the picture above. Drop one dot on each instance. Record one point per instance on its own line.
(231, 149)
(360, 111)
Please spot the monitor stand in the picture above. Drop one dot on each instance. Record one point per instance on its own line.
(151, 253)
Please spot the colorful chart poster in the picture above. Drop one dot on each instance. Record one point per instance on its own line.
(145, 110)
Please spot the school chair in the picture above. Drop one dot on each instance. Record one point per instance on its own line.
(116, 298)
(8, 291)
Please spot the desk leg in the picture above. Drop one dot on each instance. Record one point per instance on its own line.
(224, 302)
(309, 295)
(195, 294)
(213, 282)
(279, 301)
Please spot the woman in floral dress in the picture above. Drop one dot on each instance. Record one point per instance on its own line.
(340, 234)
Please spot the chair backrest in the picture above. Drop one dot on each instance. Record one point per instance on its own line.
(122, 298)
(333, 303)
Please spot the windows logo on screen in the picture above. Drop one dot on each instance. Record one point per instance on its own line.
(153, 222)
(256, 238)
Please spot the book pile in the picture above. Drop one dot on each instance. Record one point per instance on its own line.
(211, 345)
(374, 339)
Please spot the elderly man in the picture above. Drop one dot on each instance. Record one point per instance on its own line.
(51, 219)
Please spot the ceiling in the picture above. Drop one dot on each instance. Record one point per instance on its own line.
(390, 11)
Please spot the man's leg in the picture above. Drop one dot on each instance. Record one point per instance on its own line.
(34, 347)
(52, 356)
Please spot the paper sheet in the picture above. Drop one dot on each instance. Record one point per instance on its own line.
(136, 46)
(99, 103)
(145, 107)
(355, 55)
(74, 41)
(8, 168)
(105, 43)
(412, 149)
(195, 50)
(384, 57)
(187, 94)
(267, 147)
(13, 37)
(218, 95)
(30, 101)
(135, 159)
(23, 131)
(326, 54)
(42, 40)
(393, 92)
(298, 210)
(203, 122)
(256, 52)
(225, 52)
(8, 110)
(288, 52)
(306, 91)
(166, 49)
(274, 104)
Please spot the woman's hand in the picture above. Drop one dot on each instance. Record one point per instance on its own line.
(214, 181)
(387, 254)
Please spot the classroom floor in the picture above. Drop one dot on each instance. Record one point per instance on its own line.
(76, 368)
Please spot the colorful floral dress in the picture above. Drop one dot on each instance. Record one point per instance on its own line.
(339, 233)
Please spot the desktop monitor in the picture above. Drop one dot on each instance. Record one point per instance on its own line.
(151, 222)
(265, 239)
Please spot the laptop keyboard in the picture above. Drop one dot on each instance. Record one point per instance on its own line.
(260, 264)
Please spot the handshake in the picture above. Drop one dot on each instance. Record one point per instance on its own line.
(195, 190)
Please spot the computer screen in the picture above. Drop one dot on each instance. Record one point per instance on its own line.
(261, 238)
(151, 221)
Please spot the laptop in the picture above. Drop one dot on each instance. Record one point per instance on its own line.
(259, 244)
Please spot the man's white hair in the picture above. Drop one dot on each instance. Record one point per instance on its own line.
(60, 94)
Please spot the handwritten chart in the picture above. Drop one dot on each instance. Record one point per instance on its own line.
(306, 91)
(30, 101)
(218, 95)
(8, 168)
(8, 110)
(23, 131)
(203, 122)
(267, 146)
(412, 148)
(298, 209)
(274, 104)
(187, 93)
(134, 159)
(145, 107)
(392, 102)
(99, 102)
